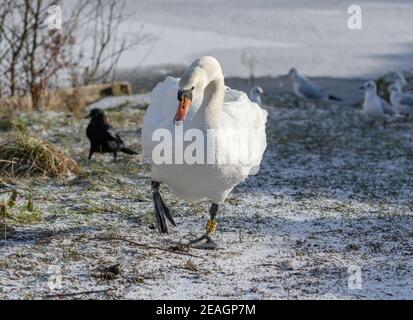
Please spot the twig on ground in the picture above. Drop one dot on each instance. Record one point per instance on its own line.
(146, 246)
(69, 294)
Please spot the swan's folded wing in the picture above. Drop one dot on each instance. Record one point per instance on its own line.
(247, 120)
(160, 111)
(163, 100)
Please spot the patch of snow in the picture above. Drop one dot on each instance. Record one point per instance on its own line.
(107, 103)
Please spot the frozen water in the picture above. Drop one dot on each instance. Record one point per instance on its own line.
(310, 35)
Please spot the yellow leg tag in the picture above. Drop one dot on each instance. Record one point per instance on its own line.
(211, 226)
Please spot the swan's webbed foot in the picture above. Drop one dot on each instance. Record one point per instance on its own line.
(205, 241)
(161, 209)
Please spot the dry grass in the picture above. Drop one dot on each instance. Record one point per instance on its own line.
(73, 99)
(23, 156)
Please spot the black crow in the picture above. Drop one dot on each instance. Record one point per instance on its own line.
(102, 137)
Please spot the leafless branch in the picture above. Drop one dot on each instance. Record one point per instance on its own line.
(32, 57)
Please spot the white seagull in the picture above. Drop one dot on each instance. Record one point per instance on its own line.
(400, 80)
(256, 94)
(200, 104)
(308, 90)
(374, 107)
(401, 101)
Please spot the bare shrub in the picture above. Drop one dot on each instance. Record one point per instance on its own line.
(35, 59)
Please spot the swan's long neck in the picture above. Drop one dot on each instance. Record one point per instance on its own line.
(209, 113)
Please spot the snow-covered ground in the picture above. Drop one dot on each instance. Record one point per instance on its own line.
(136, 100)
(311, 35)
(332, 205)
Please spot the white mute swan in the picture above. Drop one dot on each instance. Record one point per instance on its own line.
(197, 105)
(308, 90)
(256, 94)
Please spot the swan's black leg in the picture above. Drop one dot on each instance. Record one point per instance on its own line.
(161, 209)
(205, 241)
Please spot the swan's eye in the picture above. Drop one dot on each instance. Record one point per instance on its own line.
(184, 93)
(192, 88)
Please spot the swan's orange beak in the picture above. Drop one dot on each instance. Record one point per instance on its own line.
(181, 112)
